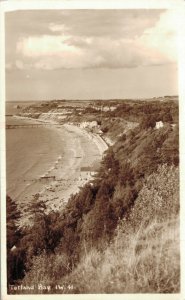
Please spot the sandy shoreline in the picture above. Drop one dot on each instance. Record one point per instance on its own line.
(82, 153)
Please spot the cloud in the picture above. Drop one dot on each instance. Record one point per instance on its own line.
(162, 38)
(79, 47)
(45, 45)
(77, 22)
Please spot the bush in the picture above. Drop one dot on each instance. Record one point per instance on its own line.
(148, 121)
(159, 197)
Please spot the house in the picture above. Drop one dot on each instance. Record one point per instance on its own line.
(90, 125)
(159, 125)
(108, 108)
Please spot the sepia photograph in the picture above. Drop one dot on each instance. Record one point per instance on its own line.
(92, 151)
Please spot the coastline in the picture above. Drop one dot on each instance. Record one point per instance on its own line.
(82, 154)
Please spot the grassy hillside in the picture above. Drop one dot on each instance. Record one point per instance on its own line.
(120, 232)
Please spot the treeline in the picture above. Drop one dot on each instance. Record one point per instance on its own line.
(91, 217)
(128, 113)
(166, 110)
(130, 110)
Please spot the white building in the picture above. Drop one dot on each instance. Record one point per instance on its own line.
(90, 125)
(159, 125)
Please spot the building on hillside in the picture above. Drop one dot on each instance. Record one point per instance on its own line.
(159, 125)
(108, 108)
(90, 125)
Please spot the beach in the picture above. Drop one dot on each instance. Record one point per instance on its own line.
(58, 160)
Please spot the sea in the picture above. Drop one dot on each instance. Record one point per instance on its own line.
(30, 152)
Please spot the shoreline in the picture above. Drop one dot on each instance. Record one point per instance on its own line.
(98, 140)
(70, 172)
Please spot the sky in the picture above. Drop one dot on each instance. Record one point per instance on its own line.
(90, 54)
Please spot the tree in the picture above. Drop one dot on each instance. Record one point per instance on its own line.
(148, 121)
(12, 218)
(15, 256)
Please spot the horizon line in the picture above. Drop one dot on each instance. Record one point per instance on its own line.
(96, 99)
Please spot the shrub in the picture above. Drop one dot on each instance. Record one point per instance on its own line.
(144, 261)
(159, 196)
(148, 121)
